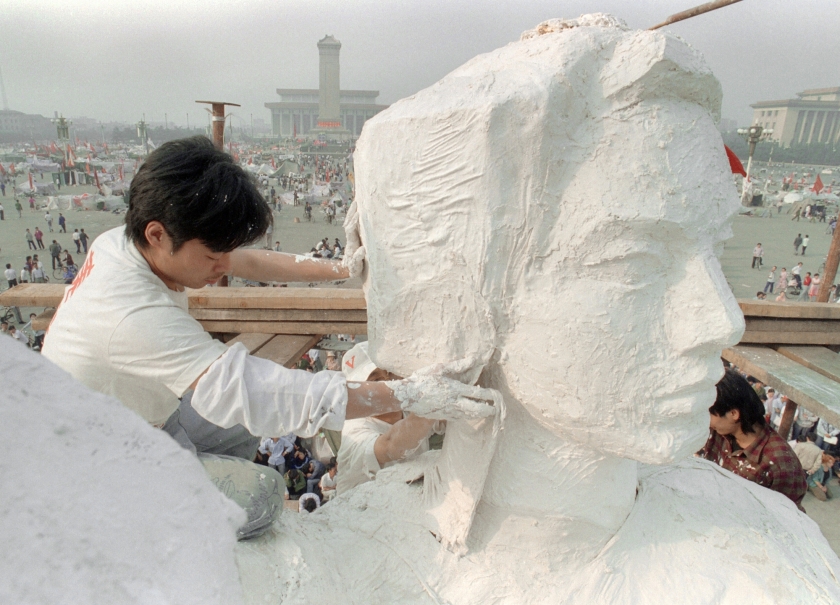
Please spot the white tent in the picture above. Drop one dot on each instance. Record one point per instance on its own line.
(792, 198)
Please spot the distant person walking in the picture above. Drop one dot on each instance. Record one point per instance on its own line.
(49, 219)
(62, 223)
(11, 275)
(758, 252)
(19, 208)
(55, 251)
(30, 239)
(805, 243)
(771, 281)
(39, 237)
(3, 188)
(77, 239)
(797, 241)
(2, 213)
(814, 290)
(806, 287)
(31, 204)
(84, 239)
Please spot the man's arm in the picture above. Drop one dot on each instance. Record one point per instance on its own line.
(266, 265)
(401, 438)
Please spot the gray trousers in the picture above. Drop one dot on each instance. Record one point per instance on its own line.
(226, 455)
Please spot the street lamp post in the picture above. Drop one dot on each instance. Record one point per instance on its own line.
(753, 135)
(62, 126)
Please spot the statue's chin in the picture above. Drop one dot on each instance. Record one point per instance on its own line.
(662, 442)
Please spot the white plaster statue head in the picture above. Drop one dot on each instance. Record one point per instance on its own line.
(557, 207)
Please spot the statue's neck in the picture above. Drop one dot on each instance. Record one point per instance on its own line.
(542, 489)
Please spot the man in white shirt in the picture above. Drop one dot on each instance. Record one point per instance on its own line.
(329, 482)
(123, 327)
(18, 335)
(371, 444)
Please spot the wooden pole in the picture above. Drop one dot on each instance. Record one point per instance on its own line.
(219, 141)
(218, 121)
(693, 12)
(787, 419)
(831, 262)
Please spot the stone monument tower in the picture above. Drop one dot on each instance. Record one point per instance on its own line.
(329, 116)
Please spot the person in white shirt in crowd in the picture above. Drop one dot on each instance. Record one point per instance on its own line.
(328, 481)
(758, 252)
(276, 448)
(768, 403)
(371, 444)
(18, 335)
(11, 275)
(827, 435)
(771, 281)
(123, 326)
(805, 421)
(309, 502)
(796, 273)
(25, 275)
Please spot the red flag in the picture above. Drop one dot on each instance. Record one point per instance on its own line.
(31, 184)
(294, 136)
(273, 165)
(735, 164)
(121, 172)
(96, 178)
(70, 156)
(87, 166)
(53, 148)
(818, 185)
(12, 168)
(2, 170)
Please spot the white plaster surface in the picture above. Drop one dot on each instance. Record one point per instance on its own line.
(567, 193)
(96, 506)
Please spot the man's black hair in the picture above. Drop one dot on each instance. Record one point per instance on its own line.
(196, 192)
(735, 393)
(309, 505)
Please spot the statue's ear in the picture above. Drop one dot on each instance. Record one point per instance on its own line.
(655, 65)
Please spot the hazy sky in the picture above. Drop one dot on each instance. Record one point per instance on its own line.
(118, 59)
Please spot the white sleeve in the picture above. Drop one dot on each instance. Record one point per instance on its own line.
(268, 399)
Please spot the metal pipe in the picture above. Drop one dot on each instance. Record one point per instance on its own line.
(693, 12)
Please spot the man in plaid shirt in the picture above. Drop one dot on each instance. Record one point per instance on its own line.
(741, 442)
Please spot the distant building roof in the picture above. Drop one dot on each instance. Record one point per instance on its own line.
(818, 91)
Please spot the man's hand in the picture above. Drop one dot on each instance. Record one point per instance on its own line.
(434, 392)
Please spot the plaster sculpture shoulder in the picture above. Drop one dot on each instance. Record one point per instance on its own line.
(99, 507)
(667, 551)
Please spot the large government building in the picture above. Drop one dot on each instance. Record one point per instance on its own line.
(813, 117)
(328, 110)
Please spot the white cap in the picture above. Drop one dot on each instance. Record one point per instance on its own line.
(356, 364)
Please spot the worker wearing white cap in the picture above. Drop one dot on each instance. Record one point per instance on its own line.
(370, 444)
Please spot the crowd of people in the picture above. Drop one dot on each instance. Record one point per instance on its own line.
(796, 284)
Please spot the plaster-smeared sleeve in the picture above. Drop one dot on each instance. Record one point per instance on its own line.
(268, 399)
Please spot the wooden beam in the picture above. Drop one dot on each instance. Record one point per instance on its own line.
(276, 298)
(42, 321)
(286, 327)
(762, 324)
(328, 315)
(253, 342)
(287, 350)
(802, 385)
(792, 310)
(791, 338)
(33, 295)
(820, 359)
